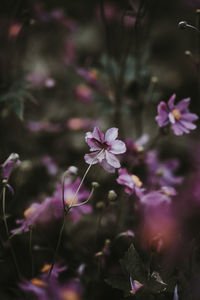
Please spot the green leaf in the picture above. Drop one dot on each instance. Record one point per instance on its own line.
(133, 264)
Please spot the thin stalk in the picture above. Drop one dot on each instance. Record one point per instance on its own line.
(58, 244)
(198, 49)
(66, 210)
(30, 250)
(7, 231)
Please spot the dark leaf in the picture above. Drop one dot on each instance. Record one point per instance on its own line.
(133, 265)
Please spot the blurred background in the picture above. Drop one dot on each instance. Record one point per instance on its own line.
(67, 66)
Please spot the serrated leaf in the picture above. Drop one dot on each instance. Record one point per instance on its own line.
(133, 264)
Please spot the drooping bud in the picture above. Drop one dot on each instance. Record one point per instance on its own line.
(182, 25)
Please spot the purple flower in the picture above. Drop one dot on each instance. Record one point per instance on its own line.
(135, 149)
(91, 78)
(45, 288)
(104, 148)
(50, 164)
(156, 198)
(132, 183)
(178, 115)
(9, 164)
(162, 173)
(69, 192)
(84, 93)
(36, 213)
(52, 208)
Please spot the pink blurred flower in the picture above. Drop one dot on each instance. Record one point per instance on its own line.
(162, 173)
(50, 164)
(84, 93)
(80, 123)
(69, 192)
(14, 30)
(132, 183)
(43, 126)
(135, 149)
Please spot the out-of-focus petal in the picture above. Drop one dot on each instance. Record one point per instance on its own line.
(107, 167)
(162, 117)
(171, 101)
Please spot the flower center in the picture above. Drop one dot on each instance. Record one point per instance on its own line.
(70, 198)
(177, 114)
(136, 180)
(29, 211)
(70, 295)
(45, 268)
(38, 282)
(159, 172)
(94, 74)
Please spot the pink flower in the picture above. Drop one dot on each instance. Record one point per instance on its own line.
(132, 183)
(178, 115)
(104, 148)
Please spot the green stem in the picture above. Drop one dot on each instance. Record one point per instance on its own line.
(66, 210)
(7, 231)
(30, 250)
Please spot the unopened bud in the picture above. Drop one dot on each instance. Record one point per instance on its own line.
(154, 79)
(182, 25)
(100, 205)
(4, 181)
(95, 184)
(112, 195)
(188, 53)
(73, 170)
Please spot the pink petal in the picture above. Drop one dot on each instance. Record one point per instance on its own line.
(183, 105)
(111, 134)
(189, 117)
(162, 117)
(98, 135)
(171, 101)
(117, 147)
(90, 158)
(188, 124)
(107, 167)
(93, 144)
(112, 160)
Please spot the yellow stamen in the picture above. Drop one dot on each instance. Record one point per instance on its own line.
(94, 74)
(45, 268)
(38, 282)
(177, 114)
(70, 295)
(70, 198)
(29, 211)
(136, 180)
(159, 172)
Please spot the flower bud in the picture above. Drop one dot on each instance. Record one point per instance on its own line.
(182, 25)
(100, 205)
(73, 170)
(112, 195)
(95, 184)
